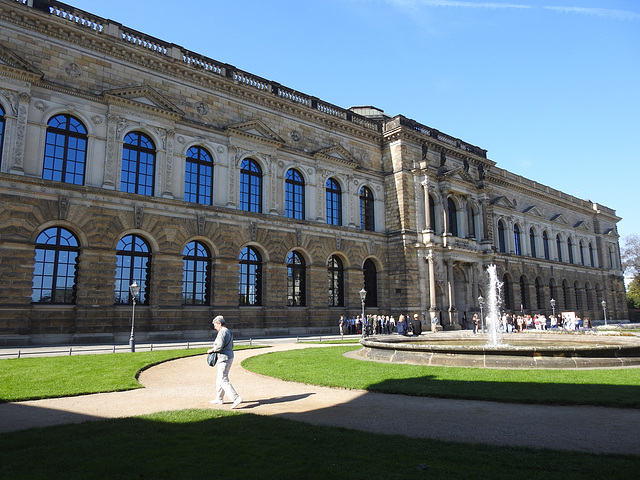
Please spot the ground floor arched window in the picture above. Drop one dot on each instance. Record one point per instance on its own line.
(55, 268)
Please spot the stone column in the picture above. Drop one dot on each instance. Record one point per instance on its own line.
(427, 211)
(450, 293)
(433, 309)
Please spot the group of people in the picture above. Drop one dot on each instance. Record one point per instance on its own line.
(521, 323)
(380, 325)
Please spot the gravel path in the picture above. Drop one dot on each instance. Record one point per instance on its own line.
(189, 383)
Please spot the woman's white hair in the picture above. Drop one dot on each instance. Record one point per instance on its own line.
(219, 320)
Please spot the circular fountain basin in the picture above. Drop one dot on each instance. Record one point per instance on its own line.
(523, 350)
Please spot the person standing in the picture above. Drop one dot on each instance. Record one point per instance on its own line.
(223, 346)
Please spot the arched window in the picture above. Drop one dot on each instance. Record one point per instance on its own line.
(65, 150)
(588, 294)
(250, 281)
(250, 186)
(1, 131)
(370, 283)
(453, 217)
(516, 239)
(612, 261)
(591, 258)
(576, 290)
(54, 273)
(198, 177)
(432, 214)
(570, 249)
(196, 274)
(524, 297)
(545, 245)
(294, 195)
(138, 164)
(552, 290)
(538, 294)
(336, 282)
(508, 295)
(502, 241)
(367, 221)
(582, 260)
(532, 243)
(559, 247)
(334, 202)
(133, 262)
(296, 280)
(565, 295)
(472, 213)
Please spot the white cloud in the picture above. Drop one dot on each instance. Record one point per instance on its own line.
(599, 12)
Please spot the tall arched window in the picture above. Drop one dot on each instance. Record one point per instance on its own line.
(138, 164)
(453, 217)
(367, 221)
(65, 150)
(612, 261)
(432, 214)
(559, 247)
(250, 277)
(589, 295)
(570, 249)
(472, 213)
(294, 194)
(576, 291)
(532, 243)
(336, 282)
(250, 186)
(1, 131)
(516, 239)
(591, 257)
(524, 297)
(334, 202)
(370, 283)
(198, 177)
(553, 294)
(296, 280)
(54, 273)
(133, 262)
(545, 245)
(508, 295)
(582, 260)
(502, 241)
(565, 295)
(196, 273)
(538, 294)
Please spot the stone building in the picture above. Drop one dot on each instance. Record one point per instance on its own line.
(126, 158)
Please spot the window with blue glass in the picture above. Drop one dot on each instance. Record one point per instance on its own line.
(250, 186)
(1, 131)
(570, 249)
(250, 277)
(55, 268)
(296, 280)
(334, 202)
(133, 262)
(559, 247)
(516, 239)
(367, 220)
(335, 272)
(502, 241)
(545, 245)
(294, 194)
(138, 164)
(65, 150)
(196, 272)
(198, 178)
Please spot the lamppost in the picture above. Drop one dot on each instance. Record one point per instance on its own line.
(553, 306)
(363, 295)
(134, 289)
(481, 302)
(604, 309)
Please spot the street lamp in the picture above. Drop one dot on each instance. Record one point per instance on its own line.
(604, 309)
(134, 289)
(363, 295)
(553, 306)
(481, 302)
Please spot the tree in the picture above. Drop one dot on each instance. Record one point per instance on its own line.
(631, 254)
(633, 294)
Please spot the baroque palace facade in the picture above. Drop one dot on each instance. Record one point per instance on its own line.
(125, 158)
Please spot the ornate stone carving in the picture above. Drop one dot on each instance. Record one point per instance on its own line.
(63, 207)
(137, 216)
(73, 69)
(253, 231)
(202, 108)
(201, 219)
(295, 136)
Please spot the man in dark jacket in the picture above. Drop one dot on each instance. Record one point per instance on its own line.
(416, 324)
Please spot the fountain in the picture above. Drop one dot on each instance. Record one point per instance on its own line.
(504, 350)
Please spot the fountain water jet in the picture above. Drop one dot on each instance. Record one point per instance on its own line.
(493, 307)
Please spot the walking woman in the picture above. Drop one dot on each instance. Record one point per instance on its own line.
(223, 345)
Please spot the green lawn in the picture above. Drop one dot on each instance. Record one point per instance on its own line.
(328, 367)
(223, 444)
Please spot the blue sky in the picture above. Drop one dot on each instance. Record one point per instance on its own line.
(550, 89)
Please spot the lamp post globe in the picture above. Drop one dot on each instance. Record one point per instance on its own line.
(481, 303)
(604, 310)
(553, 306)
(134, 289)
